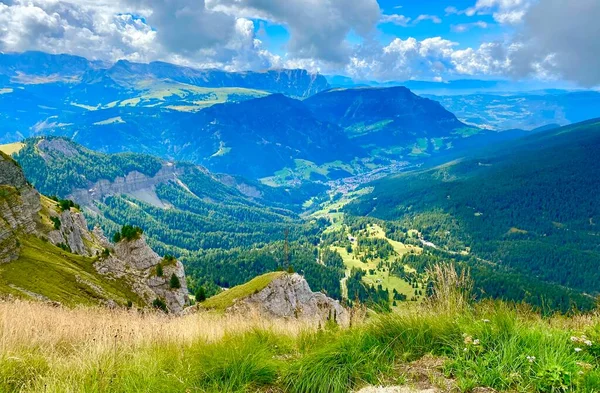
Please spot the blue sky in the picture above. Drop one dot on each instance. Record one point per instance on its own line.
(550, 41)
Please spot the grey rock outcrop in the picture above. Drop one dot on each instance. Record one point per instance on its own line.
(132, 183)
(290, 296)
(74, 233)
(135, 260)
(19, 208)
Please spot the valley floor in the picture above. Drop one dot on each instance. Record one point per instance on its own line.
(445, 346)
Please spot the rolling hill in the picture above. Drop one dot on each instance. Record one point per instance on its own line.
(530, 206)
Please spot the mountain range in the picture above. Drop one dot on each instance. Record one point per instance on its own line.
(235, 174)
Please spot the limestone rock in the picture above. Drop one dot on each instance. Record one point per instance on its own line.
(74, 233)
(290, 296)
(137, 261)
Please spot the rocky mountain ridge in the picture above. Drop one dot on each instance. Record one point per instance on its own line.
(25, 213)
(289, 297)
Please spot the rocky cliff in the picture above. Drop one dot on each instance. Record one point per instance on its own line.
(289, 296)
(149, 274)
(134, 183)
(19, 207)
(25, 214)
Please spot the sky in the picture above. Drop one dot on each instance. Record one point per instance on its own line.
(556, 41)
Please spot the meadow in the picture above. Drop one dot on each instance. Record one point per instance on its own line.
(447, 343)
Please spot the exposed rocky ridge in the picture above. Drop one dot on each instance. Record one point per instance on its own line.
(19, 208)
(290, 296)
(135, 260)
(131, 183)
(73, 232)
(24, 211)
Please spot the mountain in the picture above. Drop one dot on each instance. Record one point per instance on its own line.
(38, 90)
(530, 206)
(226, 229)
(47, 253)
(389, 117)
(235, 138)
(180, 206)
(258, 137)
(42, 68)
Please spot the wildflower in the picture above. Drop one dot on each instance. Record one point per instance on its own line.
(476, 341)
(574, 339)
(578, 349)
(587, 342)
(531, 359)
(580, 372)
(486, 320)
(465, 349)
(468, 340)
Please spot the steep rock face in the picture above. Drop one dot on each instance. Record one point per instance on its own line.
(136, 260)
(74, 233)
(134, 182)
(19, 208)
(290, 296)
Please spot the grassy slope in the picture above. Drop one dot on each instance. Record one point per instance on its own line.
(382, 277)
(46, 272)
(53, 274)
(457, 348)
(226, 298)
(11, 148)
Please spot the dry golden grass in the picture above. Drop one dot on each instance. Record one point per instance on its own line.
(35, 325)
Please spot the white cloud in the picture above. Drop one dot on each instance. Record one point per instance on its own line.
(435, 19)
(431, 58)
(559, 40)
(318, 28)
(503, 11)
(463, 27)
(396, 19)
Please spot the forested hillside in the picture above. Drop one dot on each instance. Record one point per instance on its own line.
(531, 206)
(226, 229)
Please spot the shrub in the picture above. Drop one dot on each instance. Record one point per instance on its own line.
(174, 282)
(128, 232)
(160, 304)
(200, 294)
(56, 222)
(66, 204)
(159, 270)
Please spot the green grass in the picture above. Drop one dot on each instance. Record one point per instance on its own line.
(492, 344)
(46, 270)
(387, 281)
(228, 297)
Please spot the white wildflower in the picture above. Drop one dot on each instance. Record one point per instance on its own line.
(578, 349)
(476, 341)
(588, 343)
(531, 359)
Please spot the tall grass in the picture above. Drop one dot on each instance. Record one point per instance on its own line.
(489, 344)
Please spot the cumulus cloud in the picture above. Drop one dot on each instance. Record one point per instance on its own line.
(318, 28)
(62, 27)
(503, 11)
(560, 39)
(431, 58)
(185, 26)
